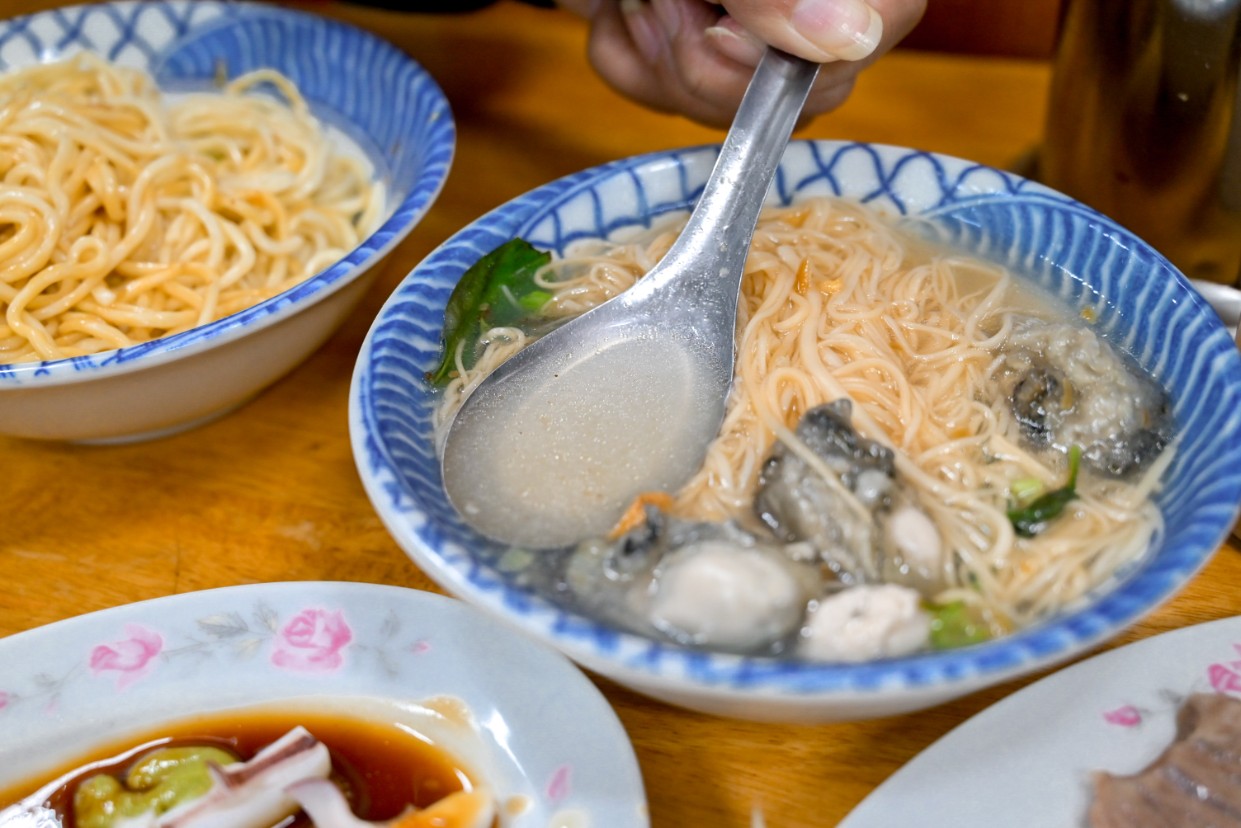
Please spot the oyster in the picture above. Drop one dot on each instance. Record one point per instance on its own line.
(841, 522)
(1067, 387)
(703, 584)
(841, 495)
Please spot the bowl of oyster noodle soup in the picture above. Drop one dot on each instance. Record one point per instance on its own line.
(997, 430)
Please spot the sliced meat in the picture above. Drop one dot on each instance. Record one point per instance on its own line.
(1195, 783)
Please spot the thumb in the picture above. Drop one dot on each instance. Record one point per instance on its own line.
(818, 30)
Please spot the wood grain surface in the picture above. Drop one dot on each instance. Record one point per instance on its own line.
(270, 492)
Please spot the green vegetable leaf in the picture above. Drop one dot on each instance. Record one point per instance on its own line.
(1032, 519)
(1026, 490)
(498, 290)
(956, 625)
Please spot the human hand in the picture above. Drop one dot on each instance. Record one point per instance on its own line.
(696, 57)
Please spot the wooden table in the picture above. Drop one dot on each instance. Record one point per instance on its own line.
(270, 492)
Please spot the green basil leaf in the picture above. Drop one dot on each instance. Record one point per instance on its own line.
(498, 290)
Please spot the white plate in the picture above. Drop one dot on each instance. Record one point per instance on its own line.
(539, 731)
(1028, 759)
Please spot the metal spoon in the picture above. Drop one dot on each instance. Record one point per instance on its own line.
(625, 399)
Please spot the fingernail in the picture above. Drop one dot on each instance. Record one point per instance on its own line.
(741, 46)
(646, 35)
(840, 29)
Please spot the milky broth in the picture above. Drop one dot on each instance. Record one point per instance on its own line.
(535, 473)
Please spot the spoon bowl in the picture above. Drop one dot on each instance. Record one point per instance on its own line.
(626, 398)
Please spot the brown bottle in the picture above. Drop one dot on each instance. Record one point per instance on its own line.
(1144, 124)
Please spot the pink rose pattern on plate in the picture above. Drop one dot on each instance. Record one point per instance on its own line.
(1125, 716)
(313, 641)
(1222, 676)
(129, 659)
(1225, 678)
(558, 787)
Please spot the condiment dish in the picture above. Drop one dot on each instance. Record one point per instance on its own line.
(514, 715)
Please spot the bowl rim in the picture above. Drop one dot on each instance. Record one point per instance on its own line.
(405, 215)
(642, 663)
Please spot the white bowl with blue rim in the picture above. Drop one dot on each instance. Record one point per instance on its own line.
(374, 94)
(1141, 302)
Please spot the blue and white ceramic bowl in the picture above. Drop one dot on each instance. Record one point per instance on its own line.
(374, 94)
(1142, 303)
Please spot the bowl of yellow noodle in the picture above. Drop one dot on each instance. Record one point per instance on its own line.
(193, 196)
(976, 429)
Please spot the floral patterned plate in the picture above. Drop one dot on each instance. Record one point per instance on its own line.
(538, 731)
(1028, 760)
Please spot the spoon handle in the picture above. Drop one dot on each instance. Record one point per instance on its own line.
(717, 237)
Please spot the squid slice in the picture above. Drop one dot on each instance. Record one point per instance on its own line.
(252, 794)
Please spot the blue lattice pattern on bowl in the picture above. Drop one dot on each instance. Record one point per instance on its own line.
(1140, 301)
(370, 90)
